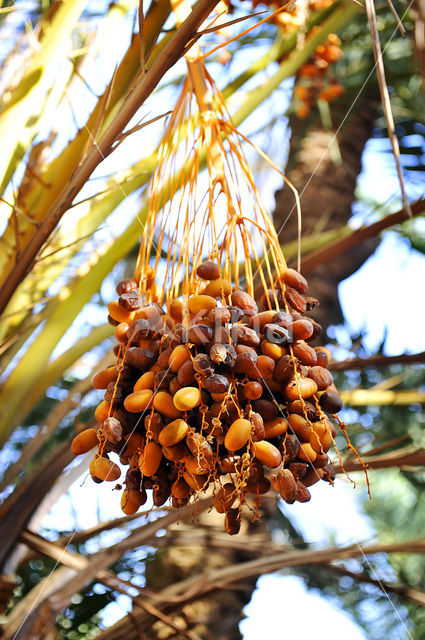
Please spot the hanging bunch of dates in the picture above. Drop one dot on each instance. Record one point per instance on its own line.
(216, 388)
(214, 392)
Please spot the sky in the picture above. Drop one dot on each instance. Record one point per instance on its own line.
(384, 295)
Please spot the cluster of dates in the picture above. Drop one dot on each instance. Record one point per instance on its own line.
(295, 13)
(314, 81)
(217, 392)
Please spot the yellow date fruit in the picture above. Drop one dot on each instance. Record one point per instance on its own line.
(173, 433)
(146, 381)
(104, 469)
(150, 459)
(187, 398)
(275, 428)
(84, 441)
(119, 314)
(163, 402)
(102, 378)
(238, 434)
(267, 453)
(139, 401)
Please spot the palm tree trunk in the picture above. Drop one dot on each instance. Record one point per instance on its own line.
(214, 617)
(327, 190)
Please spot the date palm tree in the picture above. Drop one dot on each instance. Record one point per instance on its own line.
(71, 226)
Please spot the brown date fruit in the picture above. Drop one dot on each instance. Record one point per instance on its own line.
(323, 356)
(284, 369)
(138, 330)
(125, 286)
(208, 271)
(276, 334)
(302, 329)
(219, 315)
(120, 332)
(178, 503)
(245, 302)
(300, 426)
(174, 385)
(130, 301)
(330, 402)
(289, 448)
(266, 408)
(200, 448)
(329, 473)
(225, 497)
(139, 358)
(216, 384)
(321, 461)
(147, 483)
(112, 430)
(115, 394)
(259, 488)
(302, 407)
(303, 494)
(163, 360)
(283, 319)
(312, 476)
(253, 390)
(186, 374)
(298, 469)
(295, 300)
(199, 334)
(263, 368)
(180, 489)
(230, 464)
(161, 492)
(232, 523)
(305, 354)
(258, 431)
(235, 313)
(268, 299)
(317, 330)
(203, 365)
(287, 486)
(258, 321)
(162, 379)
(256, 471)
(241, 334)
(223, 354)
(176, 453)
(242, 348)
(321, 376)
(133, 479)
(245, 362)
(294, 279)
(154, 424)
(221, 335)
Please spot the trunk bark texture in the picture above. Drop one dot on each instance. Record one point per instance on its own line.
(214, 617)
(327, 191)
